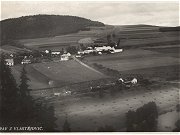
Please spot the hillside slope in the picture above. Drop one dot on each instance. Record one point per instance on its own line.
(43, 26)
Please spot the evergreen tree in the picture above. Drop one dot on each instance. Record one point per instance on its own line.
(66, 126)
(33, 112)
(143, 119)
(72, 49)
(17, 107)
(177, 124)
(178, 107)
(24, 87)
(8, 95)
(27, 110)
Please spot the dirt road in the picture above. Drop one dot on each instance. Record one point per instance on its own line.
(85, 65)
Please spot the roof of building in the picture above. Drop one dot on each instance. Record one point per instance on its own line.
(66, 54)
(9, 60)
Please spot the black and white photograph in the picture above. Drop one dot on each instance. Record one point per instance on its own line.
(89, 66)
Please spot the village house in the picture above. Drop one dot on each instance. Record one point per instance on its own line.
(65, 57)
(46, 51)
(88, 50)
(9, 62)
(11, 55)
(55, 53)
(80, 52)
(103, 48)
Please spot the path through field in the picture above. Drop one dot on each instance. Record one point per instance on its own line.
(85, 65)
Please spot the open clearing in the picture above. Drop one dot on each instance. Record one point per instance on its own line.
(67, 71)
(170, 50)
(133, 59)
(57, 74)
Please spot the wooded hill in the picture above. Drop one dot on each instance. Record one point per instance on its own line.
(38, 26)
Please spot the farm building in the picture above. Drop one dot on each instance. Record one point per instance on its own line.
(80, 52)
(47, 51)
(65, 57)
(107, 49)
(9, 62)
(55, 52)
(117, 50)
(88, 50)
(103, 48)
(100, 50)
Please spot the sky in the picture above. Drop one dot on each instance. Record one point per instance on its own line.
(113, 13)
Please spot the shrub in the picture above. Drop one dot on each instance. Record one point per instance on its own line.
(143, 119)
(178, 107)
(177, 124)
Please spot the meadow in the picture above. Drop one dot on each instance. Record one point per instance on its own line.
(56, 74)
(88, 113)
(133, 59)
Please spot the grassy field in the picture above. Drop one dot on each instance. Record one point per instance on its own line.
(166, 122)
(59, 42)
(138, 35)
(37, 79)
(8, 49)
(57, 74)
(172, 51)
(67, 72)
(88, 113)
(133, 59)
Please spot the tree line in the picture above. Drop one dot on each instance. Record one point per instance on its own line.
(39, 26)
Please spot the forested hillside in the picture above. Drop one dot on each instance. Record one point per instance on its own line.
(43, 26)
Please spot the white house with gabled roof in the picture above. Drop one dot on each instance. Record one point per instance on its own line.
(65, 56)
(9, 62)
